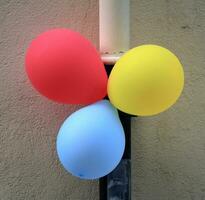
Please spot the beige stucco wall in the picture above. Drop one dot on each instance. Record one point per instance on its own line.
(168, 150)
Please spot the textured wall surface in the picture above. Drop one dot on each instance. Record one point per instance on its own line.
(168, 149)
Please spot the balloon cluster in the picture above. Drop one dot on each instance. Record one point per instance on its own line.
(65, 67)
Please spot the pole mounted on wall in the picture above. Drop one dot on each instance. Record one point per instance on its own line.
(114, 29)
(114, 41)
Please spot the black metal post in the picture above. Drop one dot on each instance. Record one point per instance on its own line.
(117, 184)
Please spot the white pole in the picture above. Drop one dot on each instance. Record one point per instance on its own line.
(114, 41)
(114, 29)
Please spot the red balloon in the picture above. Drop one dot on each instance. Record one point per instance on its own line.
(65, 67)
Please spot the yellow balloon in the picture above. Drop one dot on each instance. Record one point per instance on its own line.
(146, 81)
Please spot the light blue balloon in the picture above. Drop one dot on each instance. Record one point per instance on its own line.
(91, 141)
